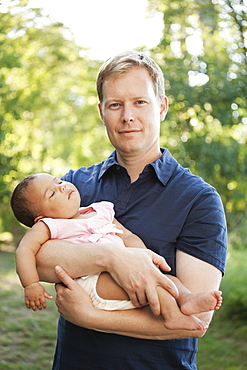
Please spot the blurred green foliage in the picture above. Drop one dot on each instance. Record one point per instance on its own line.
(48, 104)
(234, 288)
(203, 53)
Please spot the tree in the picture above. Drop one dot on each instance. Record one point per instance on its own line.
(203, 56)
(48, 111)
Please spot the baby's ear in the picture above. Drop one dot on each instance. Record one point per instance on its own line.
(38, 218)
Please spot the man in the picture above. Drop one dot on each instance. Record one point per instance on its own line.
(175, 213)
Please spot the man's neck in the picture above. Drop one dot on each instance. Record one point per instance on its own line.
(135, 164)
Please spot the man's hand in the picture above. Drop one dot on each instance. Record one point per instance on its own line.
(136, 272)
(73, 302)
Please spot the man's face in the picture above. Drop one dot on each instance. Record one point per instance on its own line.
(132, 113)
(54, 198)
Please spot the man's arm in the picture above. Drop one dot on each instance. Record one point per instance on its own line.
(132, 268)
(198, 276)
(77, 259)
(75, 305)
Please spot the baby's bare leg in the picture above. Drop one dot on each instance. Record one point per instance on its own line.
(193, 303)
(108, 289)
(174, 319)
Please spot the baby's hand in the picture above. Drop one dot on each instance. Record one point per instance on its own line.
(35, 295)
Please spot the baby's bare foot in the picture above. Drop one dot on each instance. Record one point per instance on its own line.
(201, 302)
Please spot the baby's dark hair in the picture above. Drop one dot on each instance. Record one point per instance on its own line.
(24, 209)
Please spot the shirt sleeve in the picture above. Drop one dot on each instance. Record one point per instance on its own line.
(204, 234)
(68, 176)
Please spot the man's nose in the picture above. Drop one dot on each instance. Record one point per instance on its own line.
(128, 114)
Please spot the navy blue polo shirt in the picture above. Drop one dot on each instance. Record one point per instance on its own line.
(169, 208)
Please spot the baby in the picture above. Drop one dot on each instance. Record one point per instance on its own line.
(51, 208)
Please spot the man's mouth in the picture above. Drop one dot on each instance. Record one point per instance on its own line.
(129, 131)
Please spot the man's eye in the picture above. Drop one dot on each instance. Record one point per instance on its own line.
(114, 105)
(140, 102)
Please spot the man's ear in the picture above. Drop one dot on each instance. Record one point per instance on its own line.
(100, 111)
(163, 108)
(38, 218)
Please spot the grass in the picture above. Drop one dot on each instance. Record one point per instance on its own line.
(28, 338)
(224, 347)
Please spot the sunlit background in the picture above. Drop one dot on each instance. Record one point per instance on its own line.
(49, 57)
(106, 27)
(49, 122)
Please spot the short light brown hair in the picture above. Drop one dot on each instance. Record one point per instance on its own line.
(24, 209)
(123, 63)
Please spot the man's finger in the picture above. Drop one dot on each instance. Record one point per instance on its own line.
(168, 285)
(153, 301)
(64, 277)
(134, 300)
(160, 261)
(142, 298)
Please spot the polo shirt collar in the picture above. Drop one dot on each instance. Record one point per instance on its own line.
(109, 162)
(163, 166)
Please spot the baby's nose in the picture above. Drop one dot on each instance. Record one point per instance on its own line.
(62, 187)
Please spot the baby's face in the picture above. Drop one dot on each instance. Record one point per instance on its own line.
(55, 198)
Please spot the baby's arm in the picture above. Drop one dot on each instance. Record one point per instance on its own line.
(29, 246)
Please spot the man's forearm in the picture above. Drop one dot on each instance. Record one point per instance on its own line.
(138, 323)
(75, 305)
(76, 259)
